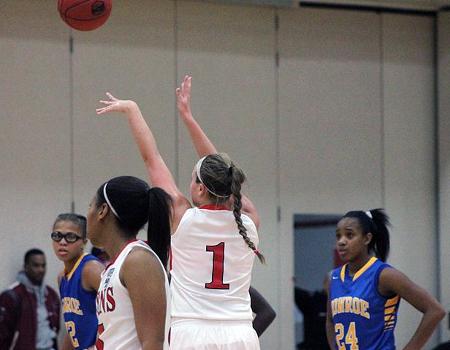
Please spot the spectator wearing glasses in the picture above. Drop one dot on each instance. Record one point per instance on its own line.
(78, 283)
(29, 310)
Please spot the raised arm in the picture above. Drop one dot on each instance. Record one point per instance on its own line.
(393, 281)
(158, 172)
(202, 143)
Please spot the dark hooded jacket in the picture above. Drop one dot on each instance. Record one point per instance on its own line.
(18, 315)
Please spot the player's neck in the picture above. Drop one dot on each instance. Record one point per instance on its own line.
(355, 265)
(115, 245)
(68, 265)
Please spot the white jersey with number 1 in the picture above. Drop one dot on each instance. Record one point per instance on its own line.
(211, 266)
(116, 324)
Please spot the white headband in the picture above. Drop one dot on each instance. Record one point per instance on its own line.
(369, 214)
(107, 201)
(197, 170)
(198, 167)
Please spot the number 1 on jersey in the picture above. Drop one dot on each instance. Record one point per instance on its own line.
(217, 269)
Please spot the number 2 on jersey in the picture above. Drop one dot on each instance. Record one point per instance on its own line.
(70, 326)
(217, 268)
(350, 338)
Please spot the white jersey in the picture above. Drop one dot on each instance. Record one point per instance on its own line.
(117, 328)
(211, 266)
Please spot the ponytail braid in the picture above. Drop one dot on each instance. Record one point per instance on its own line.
(236, 181)
(381, 222)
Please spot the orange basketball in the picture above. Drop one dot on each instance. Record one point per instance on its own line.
(84, 14)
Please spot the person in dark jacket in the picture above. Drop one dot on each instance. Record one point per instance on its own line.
(30, 310)
(313, 305)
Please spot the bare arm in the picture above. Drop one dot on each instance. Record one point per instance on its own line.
(66, 343)
(265, 314)
(330, 327)
(393, 281)
(202, 143)
(147, 295)
(158, 172)
(91, 275)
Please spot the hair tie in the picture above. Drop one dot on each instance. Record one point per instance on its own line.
(108, 202)
(369, 214)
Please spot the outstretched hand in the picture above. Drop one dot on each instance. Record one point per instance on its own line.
(184, 97)
(114, 105)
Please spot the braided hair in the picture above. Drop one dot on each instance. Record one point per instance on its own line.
(223, 179)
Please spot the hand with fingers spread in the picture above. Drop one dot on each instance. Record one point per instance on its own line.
(115, 105)
(184, 97)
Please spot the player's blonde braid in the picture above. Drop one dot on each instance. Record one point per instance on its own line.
(237, 178)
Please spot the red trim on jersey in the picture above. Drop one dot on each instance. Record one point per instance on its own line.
(214, 207)
(112, 261)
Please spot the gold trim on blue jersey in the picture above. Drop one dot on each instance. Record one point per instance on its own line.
(390, 310)
(343, 273)
(363, 269)
(69, 275)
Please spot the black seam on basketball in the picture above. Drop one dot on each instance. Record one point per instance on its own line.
(82, 19)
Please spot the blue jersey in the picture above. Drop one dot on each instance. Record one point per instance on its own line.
(363, 318)
(78, 306)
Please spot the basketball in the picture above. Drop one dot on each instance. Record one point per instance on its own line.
(84, 15)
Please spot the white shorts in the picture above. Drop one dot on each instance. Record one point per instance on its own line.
(213, 335)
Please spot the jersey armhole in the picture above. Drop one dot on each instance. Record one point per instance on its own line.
(189, 212)
(377, 280)
(93, 258)
(151, 252)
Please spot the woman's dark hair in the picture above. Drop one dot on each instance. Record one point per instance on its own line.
(134, 204)
(375, 221)
(223, 179)
(76, 219)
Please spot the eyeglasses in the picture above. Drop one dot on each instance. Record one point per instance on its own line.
(70, 237)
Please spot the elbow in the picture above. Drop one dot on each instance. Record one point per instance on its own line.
(268, 315)
(437, 313)
(272, 315)
(440, 313)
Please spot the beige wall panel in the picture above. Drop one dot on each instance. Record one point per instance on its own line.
(443, 73)
(132, 56)
(330, 122)
(408, 85)
(34, 138)
(229, 51)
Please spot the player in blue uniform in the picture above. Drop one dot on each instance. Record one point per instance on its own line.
(365, 293)
(78, 283)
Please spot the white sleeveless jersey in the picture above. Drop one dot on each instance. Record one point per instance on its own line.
(117, 328)
(211, 266)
